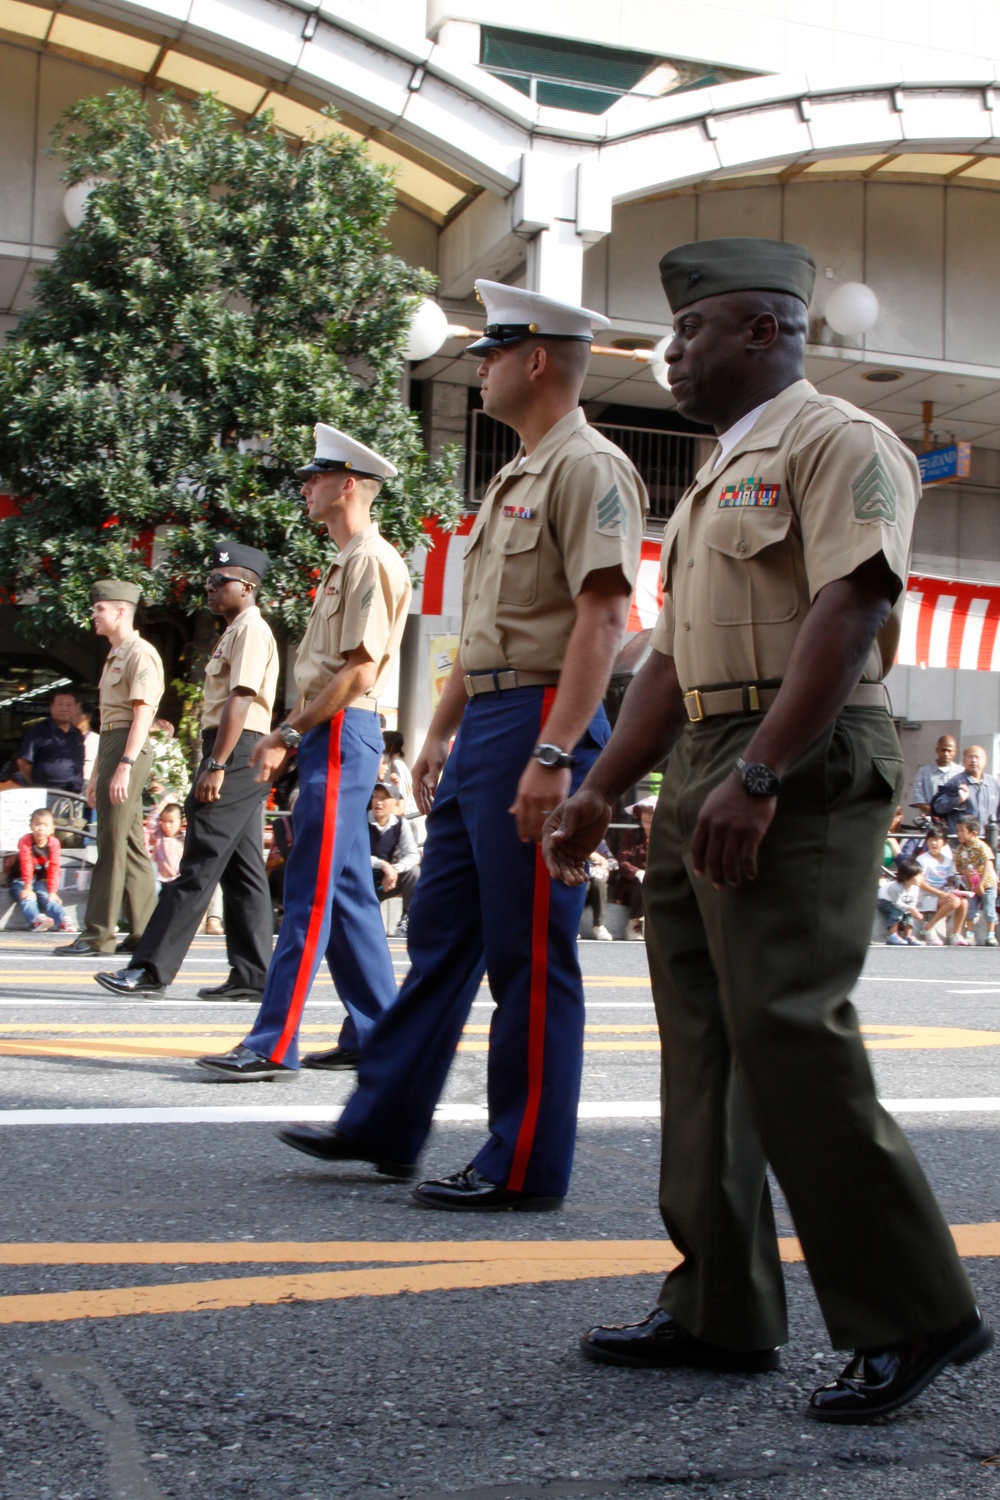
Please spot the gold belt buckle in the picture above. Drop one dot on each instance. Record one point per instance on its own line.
(753, 698)
(694, 707)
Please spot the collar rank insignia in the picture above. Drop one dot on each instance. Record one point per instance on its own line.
(749, 494)
(519, 512)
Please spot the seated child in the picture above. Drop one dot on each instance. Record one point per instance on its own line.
(938, 898)
(898, 902)
(36, 884)
(976, 870)
(167, 843)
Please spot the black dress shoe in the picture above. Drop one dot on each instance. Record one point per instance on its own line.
(326, 1142)
(78, 949)
(243, 1065)
(334, 1060)
(878, 1381)
(126, 947)
(659, 1342)
(230, 990)
(131, 982)
(469, 1190)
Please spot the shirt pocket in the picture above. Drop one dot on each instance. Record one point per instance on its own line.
(751, 568)
(215, 666)
(332, 599)
(519, 547)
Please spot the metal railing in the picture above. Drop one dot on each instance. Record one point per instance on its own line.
(667, 461)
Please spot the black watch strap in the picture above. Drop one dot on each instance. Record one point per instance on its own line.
(125, 760)
(214, 765)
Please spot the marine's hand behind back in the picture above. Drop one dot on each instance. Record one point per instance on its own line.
(572, 832)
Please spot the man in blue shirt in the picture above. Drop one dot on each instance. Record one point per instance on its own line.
(973, 792)
(51, 753)
(930, 779)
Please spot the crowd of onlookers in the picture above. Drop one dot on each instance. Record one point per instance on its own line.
(940, 877)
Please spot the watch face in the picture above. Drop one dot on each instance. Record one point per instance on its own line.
(547, 755)
(760, 780)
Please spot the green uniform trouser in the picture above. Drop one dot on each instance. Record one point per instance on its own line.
(123, 871)
(763, 1060)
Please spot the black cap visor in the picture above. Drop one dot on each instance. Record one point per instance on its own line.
(334, 466)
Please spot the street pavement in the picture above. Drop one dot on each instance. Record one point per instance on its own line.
(192, 1310)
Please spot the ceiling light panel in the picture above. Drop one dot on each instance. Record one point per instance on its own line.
(100, 41)
(298, 119)
(24, 20)
(200, 78)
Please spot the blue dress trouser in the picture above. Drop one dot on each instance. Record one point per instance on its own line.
(329, 895)
(485, 901)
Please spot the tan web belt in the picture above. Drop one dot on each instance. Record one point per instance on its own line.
(503, 681)
(746, 698)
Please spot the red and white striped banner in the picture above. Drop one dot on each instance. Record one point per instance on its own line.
(944, 624)
(950, 625)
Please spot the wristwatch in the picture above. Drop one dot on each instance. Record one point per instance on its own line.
(126, 760)
(758, 780)
(214, 765)
(290, 738)
(552, 758)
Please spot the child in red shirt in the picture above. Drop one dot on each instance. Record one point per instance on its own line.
(36, 884)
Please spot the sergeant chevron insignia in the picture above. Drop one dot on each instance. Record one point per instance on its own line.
(367, 597)
(612, 519)
(874, 493)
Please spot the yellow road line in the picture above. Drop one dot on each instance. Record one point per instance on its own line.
(426, 1267)
(186, 1040)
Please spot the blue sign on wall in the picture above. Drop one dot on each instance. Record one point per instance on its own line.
(942, 465)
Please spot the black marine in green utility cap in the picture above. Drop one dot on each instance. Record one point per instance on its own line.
(709, 268)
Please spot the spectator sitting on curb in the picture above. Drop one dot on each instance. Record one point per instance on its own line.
(168, 843)
(897, 901)
(937, 864)
(394, 852)
(601, 866)
(976, 869)
(632, 852)
(36, 884)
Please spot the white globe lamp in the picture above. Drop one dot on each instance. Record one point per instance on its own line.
(851, 308)
(658, 363)
(75, 201)
(428, 331)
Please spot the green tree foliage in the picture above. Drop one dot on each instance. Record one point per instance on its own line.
(226, 290)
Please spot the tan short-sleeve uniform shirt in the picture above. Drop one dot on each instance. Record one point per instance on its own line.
(361, 601)
(246, 656)
(575, 506)
(816, 488)
(133, 673)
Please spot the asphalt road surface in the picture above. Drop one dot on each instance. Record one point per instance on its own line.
(192, 1310)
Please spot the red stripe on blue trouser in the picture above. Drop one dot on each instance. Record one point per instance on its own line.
(478, 905)
(329, 895)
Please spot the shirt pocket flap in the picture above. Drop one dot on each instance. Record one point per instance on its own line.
(521, 538)
(745, 533)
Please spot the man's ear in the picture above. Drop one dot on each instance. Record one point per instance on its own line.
(538, 363)
(763, 331)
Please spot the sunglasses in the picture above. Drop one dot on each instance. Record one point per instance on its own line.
(216, 580)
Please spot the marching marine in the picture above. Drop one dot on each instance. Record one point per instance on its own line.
(342, 665)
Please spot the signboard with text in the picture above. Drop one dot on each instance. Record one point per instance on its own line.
(942, 465)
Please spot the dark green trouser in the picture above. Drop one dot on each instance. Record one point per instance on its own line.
(123, 871)
(763, 1060)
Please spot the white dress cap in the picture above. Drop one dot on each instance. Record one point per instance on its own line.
(512, 314)
(335, 450)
